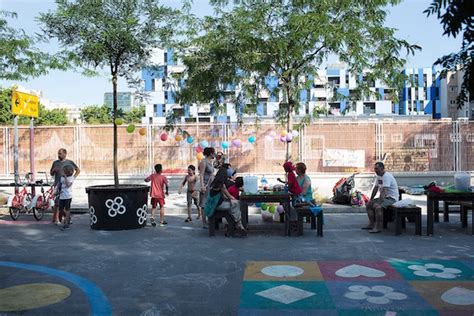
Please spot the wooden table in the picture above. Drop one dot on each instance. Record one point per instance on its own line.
(270, 197)
(432, 201)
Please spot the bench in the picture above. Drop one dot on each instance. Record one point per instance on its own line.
(316, 220)
(465, 206)
(216, 218)
(462, 211)
(399, 214)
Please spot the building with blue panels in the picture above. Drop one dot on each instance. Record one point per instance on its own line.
(420, 94)
(327, 91)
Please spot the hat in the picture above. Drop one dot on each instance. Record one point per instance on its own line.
(288, 166)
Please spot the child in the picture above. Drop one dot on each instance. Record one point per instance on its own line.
(192, 195)
(159, 187)
(293, 186)
(235, 187)
(65, 195)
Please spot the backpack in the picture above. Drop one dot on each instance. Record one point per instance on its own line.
(342, 190)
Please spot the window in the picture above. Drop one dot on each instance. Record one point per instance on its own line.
(416, 93)
(409, 93)
(415, 80)
(425, 80)
(347, 79)
(369, 108)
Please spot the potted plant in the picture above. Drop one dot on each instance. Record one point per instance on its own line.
(119, 36)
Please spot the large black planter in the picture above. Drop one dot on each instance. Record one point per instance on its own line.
(118, 208)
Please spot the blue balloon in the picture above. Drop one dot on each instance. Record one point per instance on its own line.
(204, 144)
(190, 140)
(252, 139)
(258, 204)
(225, 145)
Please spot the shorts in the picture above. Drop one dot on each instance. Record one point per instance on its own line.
(65, 204)
(156, 201)
(190, 199)
(385, 202)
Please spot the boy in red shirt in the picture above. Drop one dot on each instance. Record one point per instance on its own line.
(159, 187)
(293, 186)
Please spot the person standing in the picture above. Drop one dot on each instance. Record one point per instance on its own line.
(65, 196)
(206, 175)
(387, 187)
(192, 195)
(159, 187)
(57, 172)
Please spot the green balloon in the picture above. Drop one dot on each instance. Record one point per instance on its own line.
(264, 206)
(272, 209)
(130, 128)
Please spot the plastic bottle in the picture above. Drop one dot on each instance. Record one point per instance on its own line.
(264, 183)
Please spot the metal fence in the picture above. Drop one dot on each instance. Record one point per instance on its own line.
(345, 146)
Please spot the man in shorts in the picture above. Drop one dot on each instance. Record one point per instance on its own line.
(387, 186)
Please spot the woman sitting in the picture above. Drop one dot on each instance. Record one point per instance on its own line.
(228, 202)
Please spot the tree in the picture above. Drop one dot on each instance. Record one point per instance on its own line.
(257, 40)
(97, 114)
(458, 16)
(134, 115)
(115, 34)
(19, 58)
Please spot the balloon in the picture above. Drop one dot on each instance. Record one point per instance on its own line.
(204, 144)
(131, 128)
(237, 142)
(289, 137)
(252, 139)
(225, 145)
(178, 138)
(280, 209)
(199, 149)
(199, 156)
(272, 209)
(142, 131)
(118, 121)
(283, 139)
(268, 138)
(283, 133)
(294, 133)
(273, 134)
(190, 139)
(258, 204)
(264, 206)
(164, 137)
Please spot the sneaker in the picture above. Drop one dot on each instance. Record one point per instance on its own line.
(187, 220)
(153, 223)
(162, 224)
(65, 226)
(57, 223)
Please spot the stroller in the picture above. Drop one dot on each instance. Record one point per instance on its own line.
(342, 190)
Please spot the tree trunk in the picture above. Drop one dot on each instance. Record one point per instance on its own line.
(288, 122)
(114, 83)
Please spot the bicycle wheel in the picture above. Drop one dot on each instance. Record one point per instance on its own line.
(14, 213)
(38, 209)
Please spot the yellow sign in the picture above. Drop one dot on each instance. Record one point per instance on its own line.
(25, 104)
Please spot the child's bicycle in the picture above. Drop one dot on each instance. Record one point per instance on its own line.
(21, 201)
(44, 200)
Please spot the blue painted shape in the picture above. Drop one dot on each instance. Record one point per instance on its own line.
(331, 72)
(169, 54)
(159, 110)
(320, 301)
(260, 109)
(413, 300)
(401, 266)
(420, 77)
(98, 301)
(381, 93)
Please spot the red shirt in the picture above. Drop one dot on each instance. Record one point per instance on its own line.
(293, 185)
(234, 191)
(157, 183)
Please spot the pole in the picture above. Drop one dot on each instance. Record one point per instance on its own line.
(15, 153)
(32, 155)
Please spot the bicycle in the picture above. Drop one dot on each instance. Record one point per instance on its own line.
(20, 201)
(45, 200)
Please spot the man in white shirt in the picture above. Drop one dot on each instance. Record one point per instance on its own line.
(387, 186)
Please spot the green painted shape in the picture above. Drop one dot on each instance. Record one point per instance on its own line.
(321, 300)
(401, 266)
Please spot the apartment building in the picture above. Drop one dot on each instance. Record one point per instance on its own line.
(451, 87)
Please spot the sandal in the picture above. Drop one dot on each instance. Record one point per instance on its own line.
(187, 220)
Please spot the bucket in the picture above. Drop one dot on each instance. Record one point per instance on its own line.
(250, 184)
(462, 181)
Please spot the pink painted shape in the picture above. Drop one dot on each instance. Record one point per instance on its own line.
(328, 270)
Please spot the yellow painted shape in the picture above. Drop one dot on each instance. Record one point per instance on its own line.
(25, 104)
(253, 271)
(432, 291)
(30, 296)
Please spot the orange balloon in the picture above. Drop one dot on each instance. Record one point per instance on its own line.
(178, 138)
(200, 156)
(283, 133)
(142, 131)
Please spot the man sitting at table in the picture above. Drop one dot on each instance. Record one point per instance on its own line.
(387, 186)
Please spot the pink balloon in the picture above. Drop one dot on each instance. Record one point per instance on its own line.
(237, 142)
(164, 137)
(289, 137)
(283, 139)
(280, 209)
(199, 149)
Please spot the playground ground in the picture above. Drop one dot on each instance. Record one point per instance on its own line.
(179, 270)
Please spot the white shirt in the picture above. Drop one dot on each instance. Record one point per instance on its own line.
(389, 183)
(66, 192)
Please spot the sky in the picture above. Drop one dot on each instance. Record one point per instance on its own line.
(75, 89)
